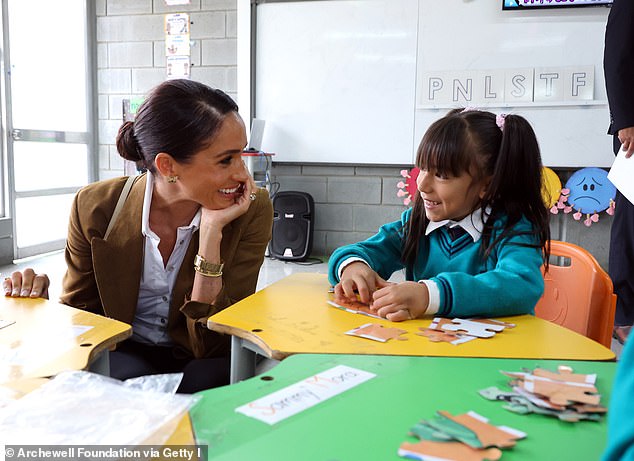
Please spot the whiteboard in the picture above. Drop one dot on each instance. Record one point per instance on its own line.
(340, 81)
(482, 36)
(336, 80)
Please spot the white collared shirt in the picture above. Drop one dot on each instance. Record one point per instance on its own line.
(157, 281)
(472, 224)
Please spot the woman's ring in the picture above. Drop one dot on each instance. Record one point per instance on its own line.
(252, 196)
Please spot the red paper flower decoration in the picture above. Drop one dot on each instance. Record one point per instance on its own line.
(407, 188)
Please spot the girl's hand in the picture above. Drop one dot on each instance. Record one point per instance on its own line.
(360, 277)
(26, 284)
(401, 301)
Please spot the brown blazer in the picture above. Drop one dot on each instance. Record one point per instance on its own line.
(103, 276)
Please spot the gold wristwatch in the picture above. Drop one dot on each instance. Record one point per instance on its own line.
(204, 267)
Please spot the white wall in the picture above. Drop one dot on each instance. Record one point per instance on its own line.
(131, 57)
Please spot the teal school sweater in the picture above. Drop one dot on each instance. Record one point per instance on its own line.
(508, 282)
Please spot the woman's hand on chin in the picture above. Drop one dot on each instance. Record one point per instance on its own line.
(218, 219)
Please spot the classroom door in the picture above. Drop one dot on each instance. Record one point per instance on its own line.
(49, 117)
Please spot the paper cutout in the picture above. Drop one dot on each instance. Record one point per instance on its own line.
(408, 188)
(356, 307)
(454, 430)
(563, 394)
(494, 322)
(463, 437)
(450, 451)
(489, 435)
(444, 336)
(522, 404)
(551, 187)
(473, 328)
(565, 374)
(621, 174)
(377, 332)
(589, 192)
(458, 331)
(300, 396)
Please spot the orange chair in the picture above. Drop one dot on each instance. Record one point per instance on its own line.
(578, 295)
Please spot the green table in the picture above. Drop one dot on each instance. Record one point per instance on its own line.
(370, 421)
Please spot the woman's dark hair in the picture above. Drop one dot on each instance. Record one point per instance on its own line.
(472, 142)
(179, 117)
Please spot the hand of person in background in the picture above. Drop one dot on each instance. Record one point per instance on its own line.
(626, 136)
(26, 284)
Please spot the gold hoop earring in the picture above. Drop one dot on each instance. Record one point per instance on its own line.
(172, 179)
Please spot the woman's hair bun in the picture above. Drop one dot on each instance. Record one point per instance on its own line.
(127, 145)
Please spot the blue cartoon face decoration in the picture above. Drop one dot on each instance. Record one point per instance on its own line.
(590, 190)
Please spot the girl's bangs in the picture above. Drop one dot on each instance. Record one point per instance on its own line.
(443, 151)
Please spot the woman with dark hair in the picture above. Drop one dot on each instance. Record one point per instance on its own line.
(477, 235)
(164, 250)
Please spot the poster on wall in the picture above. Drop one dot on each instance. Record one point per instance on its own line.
(177, 45)
(178, 66)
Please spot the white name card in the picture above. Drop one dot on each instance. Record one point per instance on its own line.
(302, 395)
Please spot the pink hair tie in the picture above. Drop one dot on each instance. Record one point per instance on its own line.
(499, 121)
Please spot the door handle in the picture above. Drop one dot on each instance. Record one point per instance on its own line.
(16, 135)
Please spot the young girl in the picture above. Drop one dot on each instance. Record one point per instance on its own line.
(475, 239)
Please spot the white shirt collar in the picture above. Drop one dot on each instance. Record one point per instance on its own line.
(472, 224)
(147, 201)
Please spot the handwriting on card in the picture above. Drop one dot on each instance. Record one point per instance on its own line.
(302, 395)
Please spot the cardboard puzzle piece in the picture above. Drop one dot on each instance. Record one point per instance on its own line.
(450, 451)
(523, 405)
(494, 322)
(444, 336)
(377, 332)
(438, 322)
(424, 431)
(473, 327)
(582, 408)
(561, 393)
(537, 400)
(565, 374)
(454, 430)
(356, 307)
(489, 435)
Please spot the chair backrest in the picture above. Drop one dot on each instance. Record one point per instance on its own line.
(578, 296)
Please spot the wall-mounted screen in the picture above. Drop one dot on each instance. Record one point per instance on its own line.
(531, 4)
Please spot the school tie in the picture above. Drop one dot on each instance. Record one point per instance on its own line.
(455, 232)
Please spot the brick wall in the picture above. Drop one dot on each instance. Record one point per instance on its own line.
(131, 57)
(352, 202)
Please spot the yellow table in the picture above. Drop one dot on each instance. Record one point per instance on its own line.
(292, 316)
(48, 337)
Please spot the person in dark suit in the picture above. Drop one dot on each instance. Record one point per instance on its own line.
(188, 241)
(618, 65)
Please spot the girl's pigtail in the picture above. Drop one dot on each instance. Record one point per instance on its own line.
(517, 178)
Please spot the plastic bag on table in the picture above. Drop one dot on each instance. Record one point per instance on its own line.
(79, 407)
